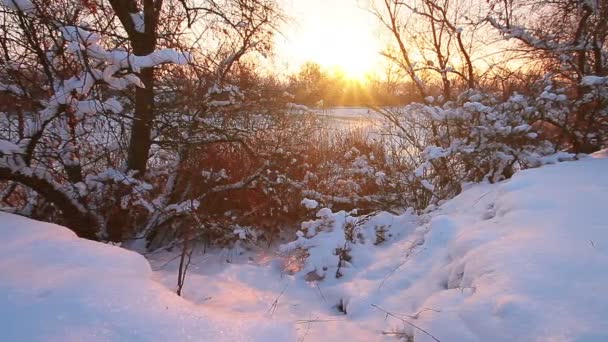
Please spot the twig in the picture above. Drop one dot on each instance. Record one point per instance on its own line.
(275, 304)
(480, 197)
(407, 258)
(320, 292)
(307, 331)
(306, 321)
(406, 322)
(417, 314)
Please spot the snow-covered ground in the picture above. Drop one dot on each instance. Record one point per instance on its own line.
(522, 260)
(57, 287)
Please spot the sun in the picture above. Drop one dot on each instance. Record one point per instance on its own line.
(354, 59)
(335, 34)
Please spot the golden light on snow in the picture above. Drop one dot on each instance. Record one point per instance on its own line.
(337, 34)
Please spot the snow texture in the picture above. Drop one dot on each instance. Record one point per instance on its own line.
(57, 287)
(10, 88)
(521, 260)
(138, 21)
(594, 81)
(7, 147)
(309, 203)
(25, 6)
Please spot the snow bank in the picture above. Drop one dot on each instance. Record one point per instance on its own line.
(522, 260)
(57, 287)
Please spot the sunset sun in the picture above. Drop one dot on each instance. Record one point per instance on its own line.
(352, 58)
(337, 35)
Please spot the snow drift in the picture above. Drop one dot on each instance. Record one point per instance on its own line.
(522, 260)
(57, 287)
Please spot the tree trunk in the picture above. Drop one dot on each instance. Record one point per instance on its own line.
(143, 43)
(139, 144)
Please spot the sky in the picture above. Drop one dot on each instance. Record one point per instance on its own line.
(333, 33)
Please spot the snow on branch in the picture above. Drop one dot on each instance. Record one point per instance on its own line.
(24, 6)
(524, 35)
(592, 81)
(8, 148)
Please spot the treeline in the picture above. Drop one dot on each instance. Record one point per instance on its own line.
(316, 86)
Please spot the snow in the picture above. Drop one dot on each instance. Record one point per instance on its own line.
(95, 106)
(138, 21)
(594, 81)
(56, 287)
(25, 6)
(7, 147)
(435, 152)
(521, 260)
(79, 35)
(10, 88)
(601, 154)
(81, 39)
(524, 260)
(309, 203)
(218, 103)
(297, 107)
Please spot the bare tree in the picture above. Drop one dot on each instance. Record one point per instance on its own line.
(434, 39)
(83, 82)
(568, 39)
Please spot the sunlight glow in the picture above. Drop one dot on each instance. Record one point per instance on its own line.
(337, 34)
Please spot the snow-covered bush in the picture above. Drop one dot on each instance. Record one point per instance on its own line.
(328, 241)
(475, 138)
(288, 158)
(334, 242)
(566, 40)
(237, 174)
(347, 170)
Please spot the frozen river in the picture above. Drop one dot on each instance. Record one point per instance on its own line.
(350, 117)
